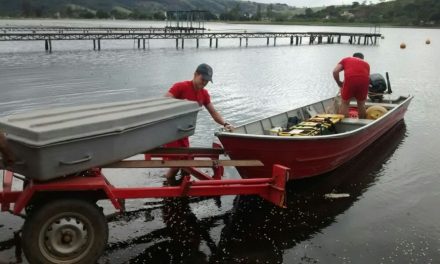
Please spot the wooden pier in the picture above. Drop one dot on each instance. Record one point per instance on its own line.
(142, 34)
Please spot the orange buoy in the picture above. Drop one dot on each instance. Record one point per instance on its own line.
(428, 41)
(376, 111)
(402, 45)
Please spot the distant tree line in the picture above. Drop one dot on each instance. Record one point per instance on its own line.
(401, 12)
(117, 14)
(71, 11)
(262, 12)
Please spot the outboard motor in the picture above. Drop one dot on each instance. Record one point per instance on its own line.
(377, 87)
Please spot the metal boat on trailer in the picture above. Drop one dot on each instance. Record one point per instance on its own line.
(61, 153)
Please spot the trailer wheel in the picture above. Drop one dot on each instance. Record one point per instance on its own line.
(65, 231)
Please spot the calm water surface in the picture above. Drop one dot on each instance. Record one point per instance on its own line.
(391, 215)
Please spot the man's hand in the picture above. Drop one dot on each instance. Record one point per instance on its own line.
(228, 126)
(336, 72)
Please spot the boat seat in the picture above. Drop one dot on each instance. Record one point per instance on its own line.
(356, 121)
(387, 106)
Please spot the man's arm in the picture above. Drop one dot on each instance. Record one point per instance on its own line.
(174, 91)
(218, 117)
(336, 72)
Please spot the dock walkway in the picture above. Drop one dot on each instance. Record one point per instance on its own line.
(96, 34)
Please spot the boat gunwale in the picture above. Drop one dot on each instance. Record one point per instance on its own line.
(223, 133)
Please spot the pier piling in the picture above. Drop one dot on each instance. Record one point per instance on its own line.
(50, 45)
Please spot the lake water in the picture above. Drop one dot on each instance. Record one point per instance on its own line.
(391, 215)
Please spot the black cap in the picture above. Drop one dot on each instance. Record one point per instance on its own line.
(206, 71)
(358, 55)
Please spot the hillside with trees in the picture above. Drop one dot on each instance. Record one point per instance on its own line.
(398, 12)
(137, 9)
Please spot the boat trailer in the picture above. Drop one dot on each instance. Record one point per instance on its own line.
(63, 223)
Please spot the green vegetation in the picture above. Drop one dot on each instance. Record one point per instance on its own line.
(398, 12)
(102, 9)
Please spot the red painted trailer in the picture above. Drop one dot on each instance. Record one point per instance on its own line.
(64, 224)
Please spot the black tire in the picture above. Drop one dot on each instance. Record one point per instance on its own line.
(65, 231)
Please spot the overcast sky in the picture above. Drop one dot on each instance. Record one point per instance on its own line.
(313, 3)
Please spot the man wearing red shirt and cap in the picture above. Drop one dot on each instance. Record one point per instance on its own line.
(194, 90)
(356, 82)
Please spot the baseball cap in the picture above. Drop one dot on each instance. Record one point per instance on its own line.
(206, 71)
(358, 55)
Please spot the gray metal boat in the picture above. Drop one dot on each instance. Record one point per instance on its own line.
(57, 142)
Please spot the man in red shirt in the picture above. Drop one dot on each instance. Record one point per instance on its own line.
(194, 90)
(356, 82)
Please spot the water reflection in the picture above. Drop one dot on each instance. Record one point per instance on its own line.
(184, 232)
(267, 230)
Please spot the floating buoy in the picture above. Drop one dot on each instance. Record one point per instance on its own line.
(376, 111)
(402, 45)
(428, 41)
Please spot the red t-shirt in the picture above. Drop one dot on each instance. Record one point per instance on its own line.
(185, 90)
(356, 78)
(355, 67)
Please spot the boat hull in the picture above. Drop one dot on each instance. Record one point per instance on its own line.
(306, 156)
